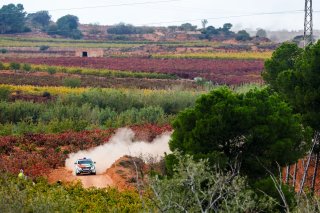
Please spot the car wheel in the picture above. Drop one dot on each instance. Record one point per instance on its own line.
(93, 173)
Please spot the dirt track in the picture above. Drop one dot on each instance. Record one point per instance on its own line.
(64, 175)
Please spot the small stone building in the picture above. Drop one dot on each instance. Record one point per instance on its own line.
(92, 52)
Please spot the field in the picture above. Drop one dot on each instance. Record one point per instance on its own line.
(53, 106)
(220, 71)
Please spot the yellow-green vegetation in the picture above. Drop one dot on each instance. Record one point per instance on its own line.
(65, 43)
(38, 90)
(26, 196)
(244, 88)
(86, 71)
(220, 55)
(78, 109)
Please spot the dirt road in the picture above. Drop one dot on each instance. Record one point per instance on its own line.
(64, 175)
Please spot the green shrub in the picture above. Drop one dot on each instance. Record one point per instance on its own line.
(72, 82)
(51, 70)
(3, 51)
(14, 66)
(4, 93)
(46, 94)
(2, 67)
(38, 196)
(44, 47)
(26, 67)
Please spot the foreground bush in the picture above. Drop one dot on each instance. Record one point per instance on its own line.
(195, 187)
(25, 196)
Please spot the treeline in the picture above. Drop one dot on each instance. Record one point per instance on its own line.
(13, 19)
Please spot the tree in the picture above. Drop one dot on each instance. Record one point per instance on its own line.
(187, 27)
(204, 23)
(254, 130)
(261, 33)
(12, 19)
(123, 29)
(294, 73)
(41, 18)
(283, 59)
(227, 27)
(242, 35)
(66, 26)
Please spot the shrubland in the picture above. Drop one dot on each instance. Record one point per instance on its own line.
(19, 195)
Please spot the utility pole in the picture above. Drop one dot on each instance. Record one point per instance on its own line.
(308, 23)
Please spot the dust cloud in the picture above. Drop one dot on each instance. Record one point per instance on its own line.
(122, 143)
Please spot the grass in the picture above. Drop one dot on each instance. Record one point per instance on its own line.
(91, 71)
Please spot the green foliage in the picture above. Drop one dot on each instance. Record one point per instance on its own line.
(44, 47)
(2, 67)
(124, 29)
(294, 73)
(261, 33)
(23, 196)
(14, 66)
(72, 82)
(66, 26)
(4, 93)
(3, 51)
(40, 18)
(256, 130)
(283, 59)
(51, 70)
(95, 108)
(187, 27)
(267, 187)
(26, 67)
(242, 35)
(12, 19)
(194, 187)
(212, 32)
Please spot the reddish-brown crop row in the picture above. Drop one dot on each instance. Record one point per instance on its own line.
(228, 71)
(44, 79)
(38, 153)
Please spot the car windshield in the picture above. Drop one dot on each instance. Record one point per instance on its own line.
(84, 162)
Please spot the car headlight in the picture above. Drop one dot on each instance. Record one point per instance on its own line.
(93, 168)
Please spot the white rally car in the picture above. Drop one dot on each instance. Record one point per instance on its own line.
(85, 166)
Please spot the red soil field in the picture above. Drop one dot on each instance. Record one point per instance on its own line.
(222, 71)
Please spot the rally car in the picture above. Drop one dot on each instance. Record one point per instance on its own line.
(85, 166)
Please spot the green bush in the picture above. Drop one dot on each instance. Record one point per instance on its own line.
(2, 67)
(4, 93)
(3, 51)
(38, 196)
(26, 67)
(44, 47)
(72, 82)
(51, 70)
(14, 66)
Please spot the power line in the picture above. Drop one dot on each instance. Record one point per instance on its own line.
(226, 17)
(234, 16)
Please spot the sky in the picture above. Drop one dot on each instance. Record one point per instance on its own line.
(243, 14)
